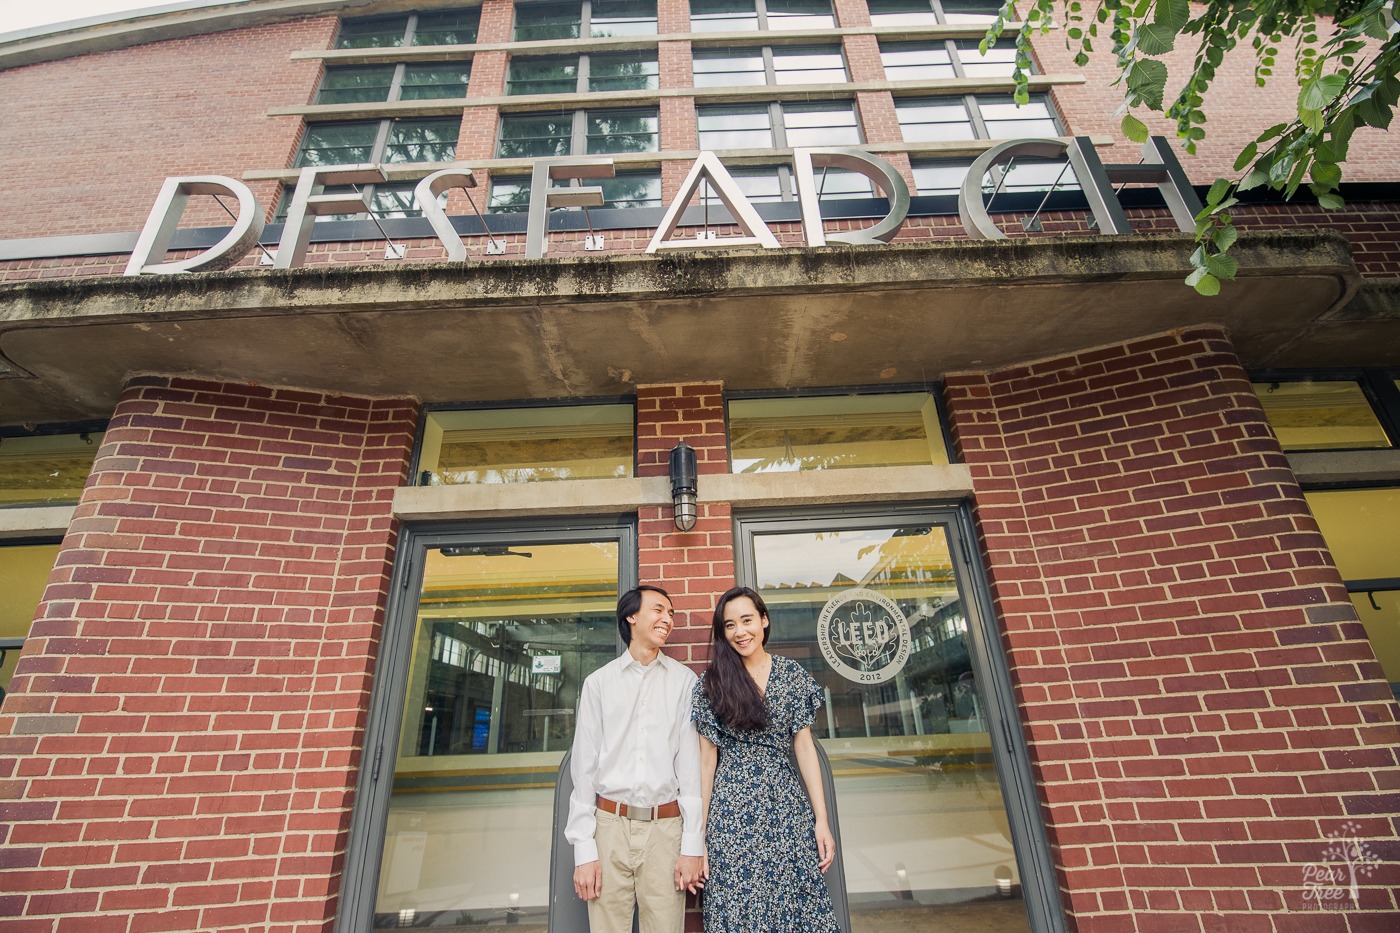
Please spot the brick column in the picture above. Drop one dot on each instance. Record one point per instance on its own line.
(181, 742)
(1205, 715)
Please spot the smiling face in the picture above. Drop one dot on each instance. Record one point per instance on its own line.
(652, 623)
(745, 628)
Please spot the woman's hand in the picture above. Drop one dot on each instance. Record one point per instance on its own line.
(826, 846)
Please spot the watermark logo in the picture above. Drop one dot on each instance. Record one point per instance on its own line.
(864, 636)
(1335, 882)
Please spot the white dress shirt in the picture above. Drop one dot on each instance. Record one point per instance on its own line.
(634, 743)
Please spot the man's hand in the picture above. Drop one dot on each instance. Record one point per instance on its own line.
(588, 880)
(690, 873)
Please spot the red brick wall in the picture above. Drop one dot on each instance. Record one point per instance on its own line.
(182, 734)
(1204, 711)
(89, 140)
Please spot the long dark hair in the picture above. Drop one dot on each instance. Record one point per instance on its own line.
(731, 691)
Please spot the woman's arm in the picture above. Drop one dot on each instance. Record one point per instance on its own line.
(709, 759)
(807, 763)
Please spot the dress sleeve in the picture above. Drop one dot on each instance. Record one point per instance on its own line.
(703, 715)
(807, 699)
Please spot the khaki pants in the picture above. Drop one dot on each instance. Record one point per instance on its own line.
(638, 861)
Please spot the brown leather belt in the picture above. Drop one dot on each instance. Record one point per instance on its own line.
(627, 812)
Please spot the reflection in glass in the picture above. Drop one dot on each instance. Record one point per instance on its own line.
(535, 21)
(25, 569)
(916, 61)
(45, 468)
(1321, 415)
(624, 72)
(622, 18)
(337, 144)
(552, 75)
(769, 435)
(505, 635)
(430, 82)
(527, 445)
(453, 27)
(728, 67)
(723, 15)
(535, 135)
(808, 65)
(933, 120)
(800, 14)
(734, 127)
(356, 85)
(423, 140)
(623, 131)
(924, 831)
(1005, 120)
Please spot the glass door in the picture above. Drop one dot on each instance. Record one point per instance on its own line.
(877, 609)
(486, 649)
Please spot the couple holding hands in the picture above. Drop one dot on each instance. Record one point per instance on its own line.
(656, 811)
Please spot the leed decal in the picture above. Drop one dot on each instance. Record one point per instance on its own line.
(864, 636)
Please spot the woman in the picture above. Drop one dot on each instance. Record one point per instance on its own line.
(767, 844)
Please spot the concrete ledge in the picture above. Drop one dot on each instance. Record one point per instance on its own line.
(1346, 466)
(38, 521)
(832, 487)
(573, 497)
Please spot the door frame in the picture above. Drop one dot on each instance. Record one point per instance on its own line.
(374, 783)
(1029, 840)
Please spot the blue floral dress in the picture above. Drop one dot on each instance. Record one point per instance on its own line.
(760, 832)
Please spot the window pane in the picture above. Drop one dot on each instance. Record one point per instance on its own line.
(723, 15)
(916, 61)
(25, 569)
(625, 72)
(1362, 529)
(47, 468)
(843, 183)
(527, 445)
(623, 18)
(1321, 415)
(396, 200)
(809, 65)
(532, 135)
(820, 125)
(423, 141)
(760, 184)
(786, 434)
(356, 85)
(939, 177)
(800, 14)
(285, 201)
(509, 195)
(375, 32)
(337, 144)
(1037, 175)
(728, 67)
(631, 189)
(998, 62)
(535, 21)
(455, 27)
(971, 11)
(1005, 120)
(901, 13)
(427, 82)
(542, 76)
(929, 120)
(622, 131)
(734, 128)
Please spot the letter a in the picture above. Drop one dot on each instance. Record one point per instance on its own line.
(710, 167)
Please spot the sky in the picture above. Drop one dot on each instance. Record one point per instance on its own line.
(23, 14)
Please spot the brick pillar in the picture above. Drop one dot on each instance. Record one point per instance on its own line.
(1206, 718)
(672, 16)
(180, 745)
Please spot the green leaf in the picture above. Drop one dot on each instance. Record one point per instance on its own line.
(1312, 119)
(1134, 129)
(1204, 283)
(1254, 179)
(1246, 156)
(1331, 201)
(1156, 38)
(1148, 80)
(1173, 13)
(1218, 189)
(1224, 238)
(1275, 130)
(1325, 173)
(1320, 91)
(1222, 267)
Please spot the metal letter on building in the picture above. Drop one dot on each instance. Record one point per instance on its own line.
(543, 195)
(709, 167)
(165, 217)
(308, 203)
(889, 182)
(1096, 180)
(426, 196)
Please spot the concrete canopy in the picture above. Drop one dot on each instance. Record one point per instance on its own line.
(752, 319)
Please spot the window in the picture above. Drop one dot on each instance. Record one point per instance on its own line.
(379, 141)
(778, 125)
(945, 176)
(771, 183)
(376, 83)
(25, 569)
(1328, 414)
(388, 200)
(931, 12)
(569, 74)
(511, 193)
(935, 59)
(596, 18)
(526, 445)
(747, 15)
(984, 117)
(769, 65)
(769, 435)
(579, 132)
(45, 468)
(446, 27)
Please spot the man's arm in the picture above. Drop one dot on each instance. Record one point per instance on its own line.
(583, 768)
(690, 873)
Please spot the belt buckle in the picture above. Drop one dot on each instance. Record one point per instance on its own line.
(640, 813)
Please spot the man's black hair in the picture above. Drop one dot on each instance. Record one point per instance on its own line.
(629, 604)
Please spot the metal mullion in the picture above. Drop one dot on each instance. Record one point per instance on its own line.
(585, 19)
(786, 190)
(1380, 385)
(578, 144)
(938, 14)
(770, 68)
(396, 82)
(410, 30)
(974, 116)
(584, 69)
(760, 8)
(777, 125)
(951, 46)
(381, 141)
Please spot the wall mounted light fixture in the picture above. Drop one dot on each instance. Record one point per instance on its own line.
(683, 483)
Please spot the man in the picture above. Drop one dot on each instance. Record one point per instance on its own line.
(634, 816)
